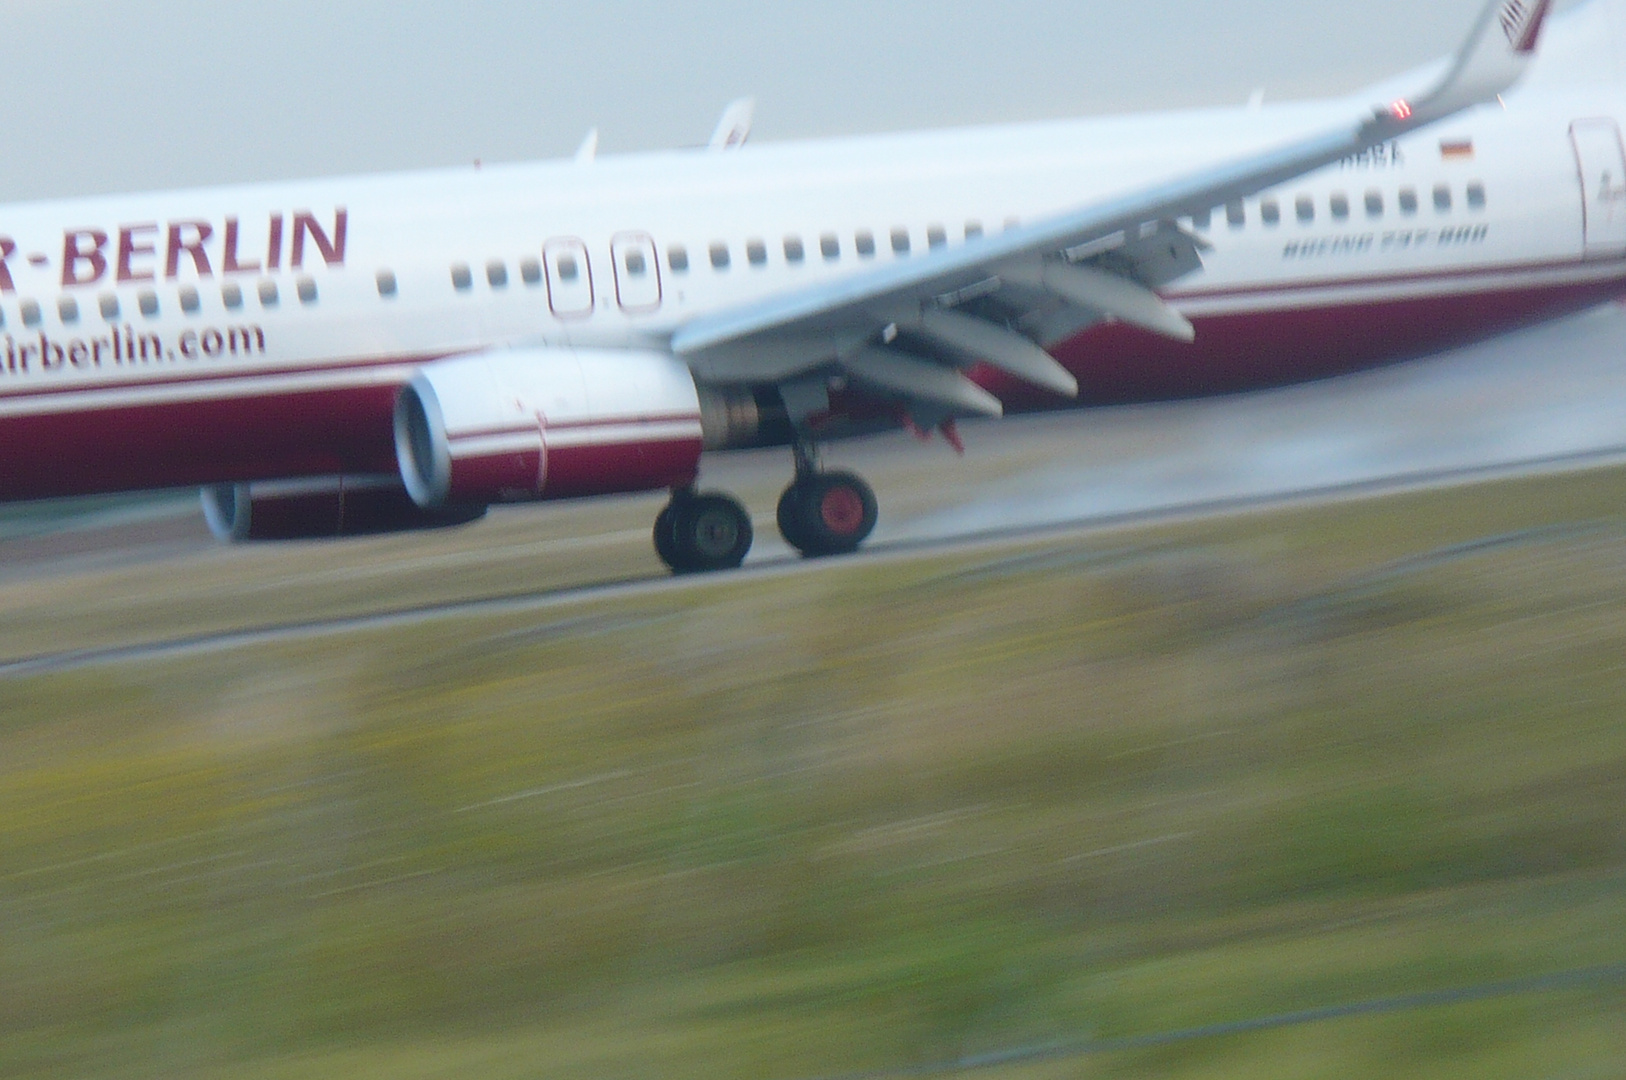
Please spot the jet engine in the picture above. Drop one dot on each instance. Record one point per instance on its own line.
(525, 424)
(323, 507)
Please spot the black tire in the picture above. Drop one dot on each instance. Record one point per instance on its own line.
(790, 514)
(708, 532)
(827, 514)
(666, 539)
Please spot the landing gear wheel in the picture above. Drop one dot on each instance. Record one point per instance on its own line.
(700, 533)
(827, 514)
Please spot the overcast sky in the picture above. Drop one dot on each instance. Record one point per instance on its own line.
(119, 95)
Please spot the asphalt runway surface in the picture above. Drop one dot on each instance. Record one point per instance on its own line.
(1550, 398)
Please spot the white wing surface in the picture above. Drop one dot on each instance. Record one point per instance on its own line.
(1064, 273)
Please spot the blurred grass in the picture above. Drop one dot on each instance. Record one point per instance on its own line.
(864, 818)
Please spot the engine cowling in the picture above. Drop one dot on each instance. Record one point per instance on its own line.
(323, 507)
(526, 424)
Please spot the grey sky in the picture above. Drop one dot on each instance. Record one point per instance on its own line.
(120, 95)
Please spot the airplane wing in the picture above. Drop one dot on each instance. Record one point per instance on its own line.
(1001, 299)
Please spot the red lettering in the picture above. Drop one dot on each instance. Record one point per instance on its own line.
(201, 231)
(273, 247)
(8, 248)
(51, 355)
(128, 249)
(332, 249)
(74, 254)
(229, 263)
(78, 353)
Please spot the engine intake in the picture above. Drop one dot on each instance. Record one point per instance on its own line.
(527, 424)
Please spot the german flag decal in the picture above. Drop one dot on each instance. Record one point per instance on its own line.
(1456, 149)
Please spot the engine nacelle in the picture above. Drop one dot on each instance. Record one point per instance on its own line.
(526, 424)
(322, 507)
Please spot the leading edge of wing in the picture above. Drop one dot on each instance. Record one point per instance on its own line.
(1496, 54)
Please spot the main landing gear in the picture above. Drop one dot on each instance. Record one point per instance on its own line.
(825, 513)
(820, 513)
(697, 533)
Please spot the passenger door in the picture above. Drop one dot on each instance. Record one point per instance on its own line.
(1601, 160)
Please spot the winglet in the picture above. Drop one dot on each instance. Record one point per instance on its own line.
(1494, 58)
(588, 150)
(734, 126)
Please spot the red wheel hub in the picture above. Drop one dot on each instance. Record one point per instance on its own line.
(842, 511)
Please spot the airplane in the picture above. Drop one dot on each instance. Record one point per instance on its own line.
(361, 355)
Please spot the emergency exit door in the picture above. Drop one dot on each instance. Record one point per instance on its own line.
(637, 272)
(1601, 160)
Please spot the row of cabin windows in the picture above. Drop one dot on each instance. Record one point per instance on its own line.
(720, 255)
(636, 264)
(187, 297)
(1338, 206)
(496, 271)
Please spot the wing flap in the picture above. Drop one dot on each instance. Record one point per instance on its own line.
(920, 379)
(972, 338)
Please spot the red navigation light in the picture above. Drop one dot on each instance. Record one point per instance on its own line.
(1401, 110)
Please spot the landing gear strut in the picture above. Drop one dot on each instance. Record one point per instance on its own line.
(825, 513)
(697, 533)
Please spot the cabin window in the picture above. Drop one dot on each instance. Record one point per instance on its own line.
(109, 305)
(268, 293)
(794, 251)
(190, 301)
(67, 309)
(756, 253)
(719, 255)
(1304, 207)
(1270, 212)
(973, 229)
(900, 241)
(830, 247)
(1442, 197)
(1476, 196)
(386, 283)
(569, 269)
(232, 295)
(462, 277)
(1374, 204)
(307, 290)
(530, 271)
(30, 312)
(677, 257)
(497, 274)
(864, 243)
(1236, 214)
(633, 259)
(936, 236)
(1408, 200)
(1339, 204)
(147, 301)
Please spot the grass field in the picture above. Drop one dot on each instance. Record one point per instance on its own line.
(881, 815)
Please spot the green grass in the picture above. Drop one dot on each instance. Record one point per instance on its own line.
(871, 817)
